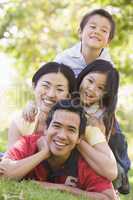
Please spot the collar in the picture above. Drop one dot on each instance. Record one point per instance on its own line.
(92, 109)
(76, 51)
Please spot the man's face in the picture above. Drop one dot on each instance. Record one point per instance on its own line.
(96, 32)
(63, 133)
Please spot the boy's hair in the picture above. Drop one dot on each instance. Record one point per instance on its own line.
(71, 106)
(54, 67)
(109, 99)
(102, 13)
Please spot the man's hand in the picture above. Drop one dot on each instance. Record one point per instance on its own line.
(43, 145)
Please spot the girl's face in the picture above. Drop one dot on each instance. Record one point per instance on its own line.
(92, 88)
(50, 88)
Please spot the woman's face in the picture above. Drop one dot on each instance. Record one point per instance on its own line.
(50, 88)
(92, 88)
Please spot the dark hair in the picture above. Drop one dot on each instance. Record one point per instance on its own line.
(69, 105)
(109, 99)
(53, 67)
(102, 13)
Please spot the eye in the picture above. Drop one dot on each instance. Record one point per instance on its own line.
(93, 26)
(104, 31)
(56, 125)
(101, 88)
(90, 80)
(60, 90)
(45, 86)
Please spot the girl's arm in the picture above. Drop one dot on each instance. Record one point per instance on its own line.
(13, 135)
(100, 158)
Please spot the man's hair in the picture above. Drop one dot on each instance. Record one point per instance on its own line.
(102, 13)
(71, 106)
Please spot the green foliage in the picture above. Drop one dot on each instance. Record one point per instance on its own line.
(34, 32)
(30, 190)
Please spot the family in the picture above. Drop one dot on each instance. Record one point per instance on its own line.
(66, 139)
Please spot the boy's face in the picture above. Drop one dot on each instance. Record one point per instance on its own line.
(63, 133)
(96, 32)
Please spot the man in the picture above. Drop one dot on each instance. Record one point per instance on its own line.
(52, 157)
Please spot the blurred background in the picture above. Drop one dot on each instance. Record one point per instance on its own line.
(33, 32)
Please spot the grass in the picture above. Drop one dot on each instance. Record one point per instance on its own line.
(30, 190)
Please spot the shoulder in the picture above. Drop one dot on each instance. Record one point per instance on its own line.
(105, 55)
(70, 52)
(23, 126)
(24, 147)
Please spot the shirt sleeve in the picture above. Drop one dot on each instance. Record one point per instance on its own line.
(94, 135)
(23, 148)
(90, 181)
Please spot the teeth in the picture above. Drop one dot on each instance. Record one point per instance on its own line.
(48, 101)
(59, 143)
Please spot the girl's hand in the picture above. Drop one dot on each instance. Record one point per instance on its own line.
(93, 121)
(30, 111)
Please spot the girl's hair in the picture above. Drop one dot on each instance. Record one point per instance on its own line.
(109, 99)
(53, 67)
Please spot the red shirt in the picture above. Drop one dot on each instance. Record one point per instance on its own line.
(87, 178)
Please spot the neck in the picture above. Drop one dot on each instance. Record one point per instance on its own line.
(90, 54)
(57, 161)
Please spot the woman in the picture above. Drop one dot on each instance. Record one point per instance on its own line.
(51, 83)
(98, 87)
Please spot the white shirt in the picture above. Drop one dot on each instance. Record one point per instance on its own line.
(74, 58)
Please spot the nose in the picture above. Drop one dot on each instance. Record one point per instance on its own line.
(62, 134)
(51, 92)
(97, 30)
(92, 87)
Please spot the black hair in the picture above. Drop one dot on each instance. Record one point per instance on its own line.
(54, 67)
(102, 13)
(69, 105)
(109, 99)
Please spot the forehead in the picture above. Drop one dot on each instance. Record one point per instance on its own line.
(67, 118)
(101, 20)
(54, 78)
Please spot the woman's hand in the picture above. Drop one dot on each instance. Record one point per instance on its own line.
(30, 111)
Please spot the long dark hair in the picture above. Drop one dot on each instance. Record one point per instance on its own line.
(109, 99)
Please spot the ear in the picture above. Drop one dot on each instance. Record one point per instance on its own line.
(80, 33)
(33, 86)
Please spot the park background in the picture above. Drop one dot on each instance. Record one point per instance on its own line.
(33, 32)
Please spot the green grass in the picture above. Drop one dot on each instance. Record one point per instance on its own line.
(30, 190)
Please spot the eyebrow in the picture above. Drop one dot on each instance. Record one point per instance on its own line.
(101, 84)
(102, 26)
(59, 85)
